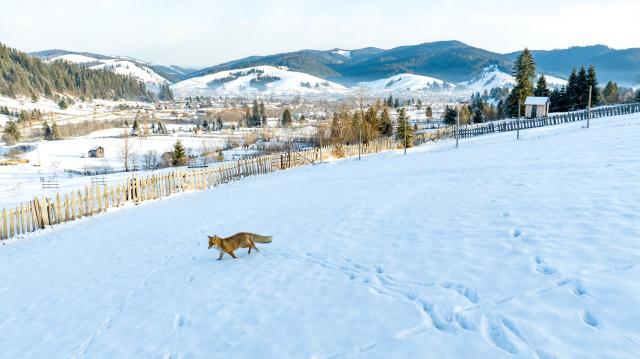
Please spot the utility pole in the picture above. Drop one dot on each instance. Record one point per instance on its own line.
(457, 123)
(518, 129)
(589, 106)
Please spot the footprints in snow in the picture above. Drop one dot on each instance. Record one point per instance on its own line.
(590, 320)
(463, 290)
(541, 267)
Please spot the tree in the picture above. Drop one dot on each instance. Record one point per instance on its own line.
(582, 87)
(126, 150)
(404, 131)
(542, 90)
(302, 118)
(524, 71)
(450, 115)
(390, 101)
(165, 93)
(477, 116)
(592, 80)
(572, 90)
(286, 118)
(55, 132)
(263, 114)
(46, 131)
(396, 103)
(610, 93)
(11, 133)
(135, 128)
(63, 104)
(179, 154)
(429, 112)
(637, 96)
(385, 126)
(465, 115)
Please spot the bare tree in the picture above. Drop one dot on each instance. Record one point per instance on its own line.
(126, 150)
(151, 160)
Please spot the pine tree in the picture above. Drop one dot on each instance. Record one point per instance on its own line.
(610, 93)
(396, 103)
(385, 126)
(592, 80)
(450, 115)
(524, 71)
(404, 131)
(429, 112)
(390, 101)
(582, 95)
(46, 131)
(477, 116)
(572, 91)
(637, 96)
(179, 154)
(135, 128)
(11, 133)
(286, 118)
(542, 90)
(55, 132)
(263, 114)
(302, 118)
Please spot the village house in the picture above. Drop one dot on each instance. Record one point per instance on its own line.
(536, 107)
(96, 152)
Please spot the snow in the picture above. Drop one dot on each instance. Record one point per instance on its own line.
(343, 53)
(404, 83)
(289, 84)
(120, 66)
(490, 77)
(536, 101)
(499, 249)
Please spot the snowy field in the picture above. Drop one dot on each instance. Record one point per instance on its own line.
(500, 249)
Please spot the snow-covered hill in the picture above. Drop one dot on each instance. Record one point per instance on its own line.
(120, 66)
(259, 80)
(492, 77)
(408, 83)
(533, 255)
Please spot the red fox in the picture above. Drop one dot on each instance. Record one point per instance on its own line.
(239, 240)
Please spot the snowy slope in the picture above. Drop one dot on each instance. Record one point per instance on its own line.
(492, 77)
(406, 83)
(533, 253)
(117, 65)
(259, 80)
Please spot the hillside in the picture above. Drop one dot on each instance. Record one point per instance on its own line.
(21, 74)
(260, 80)
(500, 249)
(450, 61)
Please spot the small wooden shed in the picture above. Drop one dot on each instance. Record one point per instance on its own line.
(167, 159)
(96, 152)
(536, 107)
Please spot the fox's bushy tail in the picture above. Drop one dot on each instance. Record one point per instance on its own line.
(262, 239)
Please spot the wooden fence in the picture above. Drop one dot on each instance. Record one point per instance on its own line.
(554, 119)
(98, 198)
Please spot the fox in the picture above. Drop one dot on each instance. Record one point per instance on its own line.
(238, 240)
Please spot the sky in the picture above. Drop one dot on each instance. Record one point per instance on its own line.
(200, 33)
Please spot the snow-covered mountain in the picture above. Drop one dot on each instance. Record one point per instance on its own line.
(406, 83)
(492, 77)
(122, 66)
(259, 80)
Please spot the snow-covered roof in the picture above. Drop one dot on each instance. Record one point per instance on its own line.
(96, 148)
(536, 101)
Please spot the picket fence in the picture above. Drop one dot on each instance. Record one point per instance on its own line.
(554, 119)
(98, 198)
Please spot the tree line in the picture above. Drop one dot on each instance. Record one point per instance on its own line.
(21, 74)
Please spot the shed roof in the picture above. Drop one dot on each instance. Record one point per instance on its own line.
(536, 101)
(96, 148)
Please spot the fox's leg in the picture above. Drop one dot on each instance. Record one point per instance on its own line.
(221, 254)
(233, 255)
(250, 249)
(254, 246)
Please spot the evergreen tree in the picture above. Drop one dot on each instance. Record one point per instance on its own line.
(582, 95)
(637, 96)
(524, 71)
(385, 127)
(11, 133)
(592, 80)
(542, 90)
(263, 114)
(135, 128)
(55, 132)
(450, 115)
(46, 131)
(610, 93)
(419, 104)
(500, 110)
(396, 103)
(63, 104)
(429, 112)
(286, 118)
(572, 91)
(302, 118)
(390, 101)
(404, 130)
(165, 93)
(219, 123)
(477, 116)
(179, 154)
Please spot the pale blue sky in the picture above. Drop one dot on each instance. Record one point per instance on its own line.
(203, 33)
